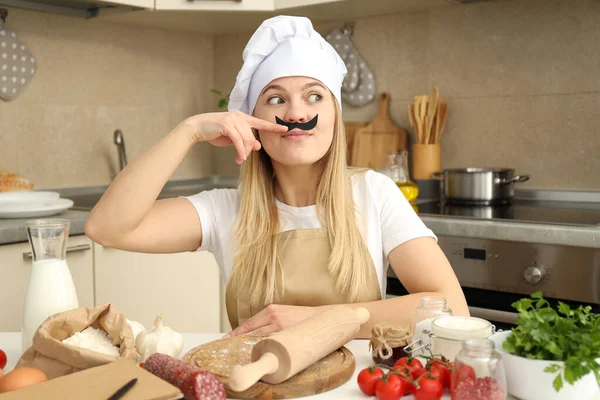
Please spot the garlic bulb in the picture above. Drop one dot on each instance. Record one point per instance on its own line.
(159, 339)
(136, 328)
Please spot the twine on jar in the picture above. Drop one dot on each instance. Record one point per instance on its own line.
(385, 338)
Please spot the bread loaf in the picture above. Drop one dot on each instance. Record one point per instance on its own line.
(11, 182)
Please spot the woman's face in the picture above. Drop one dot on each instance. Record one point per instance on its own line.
(297, 99)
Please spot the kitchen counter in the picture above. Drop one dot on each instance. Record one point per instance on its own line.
(545, 216)
(14, 231)
(84, 199)
(11, 343)
(567, 235)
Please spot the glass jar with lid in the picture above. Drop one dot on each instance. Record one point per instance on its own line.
(431, 307)
(478, 372)
(450, 332)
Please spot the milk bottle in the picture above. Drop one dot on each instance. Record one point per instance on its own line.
(50, 289)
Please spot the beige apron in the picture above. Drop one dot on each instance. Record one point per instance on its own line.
(304, 256)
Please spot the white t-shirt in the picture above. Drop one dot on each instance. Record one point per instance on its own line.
(386, 220)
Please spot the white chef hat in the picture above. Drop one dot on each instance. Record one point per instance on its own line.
(285, 46)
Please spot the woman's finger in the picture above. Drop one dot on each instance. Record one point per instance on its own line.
(247, 136)
(264, 330)
(237, 140)
(261, 124)
(253, 323)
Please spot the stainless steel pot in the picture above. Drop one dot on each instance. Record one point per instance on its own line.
(479, 185)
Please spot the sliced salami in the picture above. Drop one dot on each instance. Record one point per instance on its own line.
(194, 382)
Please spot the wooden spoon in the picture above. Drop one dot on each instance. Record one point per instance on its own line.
(442, 118)
(421, 108)
(431, 109)
(411, 116)
(437, 120)
(445, 116)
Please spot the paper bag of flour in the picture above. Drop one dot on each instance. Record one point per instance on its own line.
(56, 358)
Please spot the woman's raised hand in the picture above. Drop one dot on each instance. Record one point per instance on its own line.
(231, 128)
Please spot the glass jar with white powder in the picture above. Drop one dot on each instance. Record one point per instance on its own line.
(431, 307)
(449, 333)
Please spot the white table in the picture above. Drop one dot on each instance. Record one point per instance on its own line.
(11, 344)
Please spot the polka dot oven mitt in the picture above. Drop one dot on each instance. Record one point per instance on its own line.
(17, 65)
(358, 87)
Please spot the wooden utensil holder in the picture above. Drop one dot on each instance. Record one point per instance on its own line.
(426, 160)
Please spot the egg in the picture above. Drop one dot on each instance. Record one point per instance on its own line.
(20, 378)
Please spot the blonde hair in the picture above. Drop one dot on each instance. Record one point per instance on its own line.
(257, 225)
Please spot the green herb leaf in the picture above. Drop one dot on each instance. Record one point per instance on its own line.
(564, 309)
(557, 383)
(552, 368)
(215, 91)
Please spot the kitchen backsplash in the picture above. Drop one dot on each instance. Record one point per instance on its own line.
(94, 77)
(521, 77)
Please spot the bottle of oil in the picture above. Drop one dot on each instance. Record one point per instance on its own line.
(397, 169)
(409, 188)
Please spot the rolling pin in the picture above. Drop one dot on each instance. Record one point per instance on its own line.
(285, 353)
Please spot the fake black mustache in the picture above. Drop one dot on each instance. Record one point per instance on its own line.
(305, 126)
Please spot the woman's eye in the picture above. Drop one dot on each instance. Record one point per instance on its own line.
(315, 98)
(275, 100)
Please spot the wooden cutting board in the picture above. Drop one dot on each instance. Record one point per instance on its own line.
(372, 143)
(351, 128)
(99, 383)
(222, 356)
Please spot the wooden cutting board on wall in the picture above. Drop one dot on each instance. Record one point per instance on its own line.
(372, 143)
(222, 356)
(351, 128)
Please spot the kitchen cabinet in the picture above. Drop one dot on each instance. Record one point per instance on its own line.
(84, 4)
(284, 4)
(185, 287)
(237, 5)
(14, 276)
(230, 16)
(131, 3)
(216, 5)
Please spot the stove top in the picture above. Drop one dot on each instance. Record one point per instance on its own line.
(520, 210)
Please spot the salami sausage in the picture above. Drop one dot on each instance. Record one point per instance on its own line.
(194, 382)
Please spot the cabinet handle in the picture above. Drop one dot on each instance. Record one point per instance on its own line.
(71, 249)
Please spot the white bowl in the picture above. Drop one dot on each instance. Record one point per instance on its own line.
(527, 380)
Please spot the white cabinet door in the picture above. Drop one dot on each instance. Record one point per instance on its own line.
(185, 287)
(134, 3)
(284, 4)
(15, 267)
(216, 5)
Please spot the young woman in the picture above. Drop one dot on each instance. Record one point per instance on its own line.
(303, 231)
